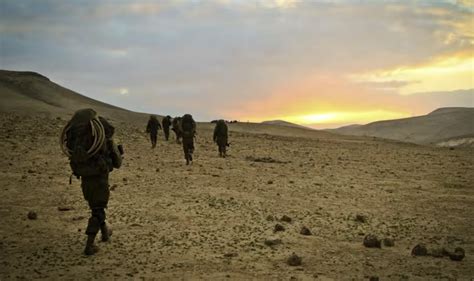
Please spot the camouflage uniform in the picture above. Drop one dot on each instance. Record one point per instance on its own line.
(152, 128)
(176, 128)
(188, 129)
(166, 122)
(96, 192)
(221, 137)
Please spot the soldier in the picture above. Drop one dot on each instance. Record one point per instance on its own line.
(176, 128)
(221, 137)
(166, 122)
(87, 140)
(152, 128)
(188, 129)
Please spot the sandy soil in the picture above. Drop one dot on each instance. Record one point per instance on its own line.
(210, 220)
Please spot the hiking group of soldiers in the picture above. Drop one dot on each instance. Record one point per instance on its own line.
(185, 130)
(87, 140)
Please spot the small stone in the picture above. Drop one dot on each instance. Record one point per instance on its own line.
(294, 260)
(371, 241)
(286, 218)
(32, 215)
(373, 278)
(272, 242)
(30, 171)
(270, 218)
(419, 250)
(458, 254)
(230, 255)
(65, 208)
(388, 242)
(113, 187)
(305, 231)
(270, 182)
(361, 218)
(278, 227)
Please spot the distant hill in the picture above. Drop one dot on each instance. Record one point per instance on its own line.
(439, 126)
(284, 123)
(25, 92)
(30, 93)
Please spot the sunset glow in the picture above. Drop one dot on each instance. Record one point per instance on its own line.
(317, 63)
(443, 74)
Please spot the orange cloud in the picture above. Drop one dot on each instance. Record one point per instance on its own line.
(444, 73)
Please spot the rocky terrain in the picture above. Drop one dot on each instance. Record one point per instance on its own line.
(284, 205)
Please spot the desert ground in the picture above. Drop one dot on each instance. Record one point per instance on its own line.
(215, 219)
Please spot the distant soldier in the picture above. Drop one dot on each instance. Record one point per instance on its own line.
(188, 129)
(166, 122)
(87, 140)
(152, 128)
(177, 129)
(221, 137)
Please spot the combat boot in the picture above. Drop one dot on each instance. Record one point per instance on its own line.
(91, 248)
(105, 232)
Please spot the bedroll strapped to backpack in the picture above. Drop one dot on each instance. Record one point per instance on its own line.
(83, 140)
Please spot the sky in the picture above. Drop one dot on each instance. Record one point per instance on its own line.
(317, 63)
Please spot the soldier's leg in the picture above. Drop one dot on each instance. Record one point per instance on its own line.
(185, 150)
(96, 192)
(154, 137)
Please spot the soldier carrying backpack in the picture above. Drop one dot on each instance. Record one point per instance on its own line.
(188, 131)
(176, 128)
(166, 122)
(221, 137)
(87, 139)
(152, 127)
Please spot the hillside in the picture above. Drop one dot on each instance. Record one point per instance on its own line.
(284, 123)
(32, 93)
(440, 125)
(27, 93)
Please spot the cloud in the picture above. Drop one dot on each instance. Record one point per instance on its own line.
(237, 59)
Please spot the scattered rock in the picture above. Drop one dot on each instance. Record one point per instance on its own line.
(388, 242)
(286, 218)
(457, 255)
(65, 208)
(278, 227)
(78, 218)
(361, 218)
(230, 255)
(419, 250)
(272, 242)
(294, 260)
(371, 241)
(305, 231)
(32, 215)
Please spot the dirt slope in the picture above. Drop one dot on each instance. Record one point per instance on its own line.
(211, 220)
(440, 125)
